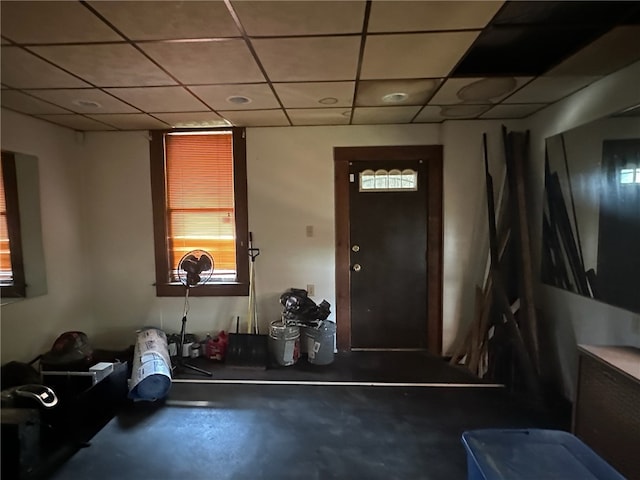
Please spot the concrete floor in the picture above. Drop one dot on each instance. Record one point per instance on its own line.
(269, 431)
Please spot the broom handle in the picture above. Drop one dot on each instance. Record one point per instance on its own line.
(250, 309)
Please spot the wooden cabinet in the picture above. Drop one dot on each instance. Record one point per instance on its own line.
(606, 413)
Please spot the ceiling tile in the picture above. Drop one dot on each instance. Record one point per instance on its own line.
(420, 55)
(380, 115)
(21, 69)
(476, 90)
(434, 113)
(76, 122)
(216, 96)
(279, 18)
(24, 103)
(192, 119)
(309, 94)
(430, 114)
(130, 121)
(226, 61)
(407, 16)
(460, 111)
(549, 89)
(513, 110)
(314, 58)
(371, 92)
(256, 118)
(53, 22)
(148, 20)
(84, 100)
(111, 65)
(159, 99)
(614, 50)
(319, 116)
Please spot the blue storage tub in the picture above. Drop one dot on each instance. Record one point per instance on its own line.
(534, 454)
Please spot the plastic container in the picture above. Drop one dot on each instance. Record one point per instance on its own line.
(320, 343)
(284, 343)
(216, 348)
(532, 454)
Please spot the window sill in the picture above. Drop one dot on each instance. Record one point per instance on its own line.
(13, 291)
(217, 290)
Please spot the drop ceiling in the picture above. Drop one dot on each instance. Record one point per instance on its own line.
(132, 65)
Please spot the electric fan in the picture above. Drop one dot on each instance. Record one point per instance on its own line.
(194, 269)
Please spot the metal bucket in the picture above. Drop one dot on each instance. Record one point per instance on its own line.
(284, 343)
(320, 343)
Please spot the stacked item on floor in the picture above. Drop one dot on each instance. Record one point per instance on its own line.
(302, 317)
(151, 372)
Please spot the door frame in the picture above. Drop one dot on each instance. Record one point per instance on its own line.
(432, 156)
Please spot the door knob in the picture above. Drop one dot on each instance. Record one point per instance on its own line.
(356, 267)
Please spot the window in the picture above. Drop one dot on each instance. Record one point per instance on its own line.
(199, 192)
(388, 181)
(12, 280)
(630, 175)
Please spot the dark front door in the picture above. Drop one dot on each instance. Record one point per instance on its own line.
(388, 253)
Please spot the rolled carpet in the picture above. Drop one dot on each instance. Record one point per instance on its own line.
(151, 371)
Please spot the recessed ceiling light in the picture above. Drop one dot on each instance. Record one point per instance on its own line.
(86, 103)
(328, 100)
(396, 97)
(238, 100)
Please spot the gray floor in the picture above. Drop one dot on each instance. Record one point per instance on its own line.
(234, 431)
(399, 366)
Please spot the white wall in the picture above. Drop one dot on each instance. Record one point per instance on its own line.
(97, 224)
(568, 318)
(290, 180)
(29, 327)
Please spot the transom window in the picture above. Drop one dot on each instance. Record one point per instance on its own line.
(200, 203)
(630, 175)
(388, 180)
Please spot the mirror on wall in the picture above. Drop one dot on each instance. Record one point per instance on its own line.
(21, 215)
(591, 214)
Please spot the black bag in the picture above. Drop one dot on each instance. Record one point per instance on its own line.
(70, 352)
(298, 306)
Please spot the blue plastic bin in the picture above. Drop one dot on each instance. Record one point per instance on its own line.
(534, 454)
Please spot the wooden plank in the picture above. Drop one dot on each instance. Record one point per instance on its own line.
(502, 301)
(517, 147)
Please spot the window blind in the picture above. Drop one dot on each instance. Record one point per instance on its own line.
(5, 249)
(200, 198)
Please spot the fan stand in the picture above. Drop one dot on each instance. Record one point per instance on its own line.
(179, 364)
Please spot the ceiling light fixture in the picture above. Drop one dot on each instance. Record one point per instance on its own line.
(328, 101)
(86, 103)
(238, 99)
(396, 97)
(202, 124)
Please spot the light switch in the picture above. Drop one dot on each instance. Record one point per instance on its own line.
(309, 230)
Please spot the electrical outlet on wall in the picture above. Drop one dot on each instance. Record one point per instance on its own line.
(311, 289)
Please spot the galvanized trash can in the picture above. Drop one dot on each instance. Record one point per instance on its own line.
(320, 343)
(284, 343)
